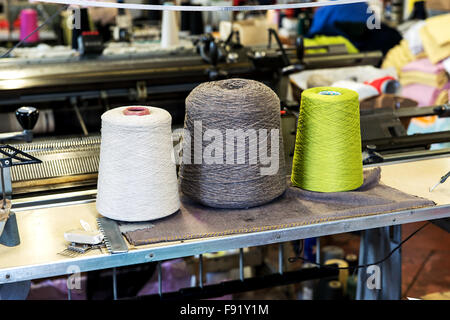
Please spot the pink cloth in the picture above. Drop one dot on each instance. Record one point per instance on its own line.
(423, 94)
(28, 23)
(424, 65)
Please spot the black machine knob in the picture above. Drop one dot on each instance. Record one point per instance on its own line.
(27, 117)
(213, 53)
(300, 49)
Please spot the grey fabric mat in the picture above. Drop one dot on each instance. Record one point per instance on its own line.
(295, 207)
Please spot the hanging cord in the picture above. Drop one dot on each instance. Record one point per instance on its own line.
(47, 21)
(293, 259)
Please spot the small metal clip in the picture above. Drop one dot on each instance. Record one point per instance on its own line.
(74, 250)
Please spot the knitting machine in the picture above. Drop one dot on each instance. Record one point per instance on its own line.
(73, 91)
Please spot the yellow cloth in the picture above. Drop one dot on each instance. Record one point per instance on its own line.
(421, 55)
(434, 51)
(439, 28)
(398, 57)
(328, 40)
(442, 98)
(429, 79)
(407, 51)
(437, 296)
(343, 273)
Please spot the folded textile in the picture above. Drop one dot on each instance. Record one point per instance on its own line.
(398, 57)
(326, 18)
(439, 29)
(442, 98)
(424, 65)
(296, 207)
(412, 36)
(434, 51)
(358, 74)
(429, 79)
(423, 94)
(321, 40)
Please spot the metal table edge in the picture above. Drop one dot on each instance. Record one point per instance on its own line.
(198, 246)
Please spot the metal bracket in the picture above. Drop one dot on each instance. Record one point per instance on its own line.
(74, 102)
(14, 157)
(9, 157)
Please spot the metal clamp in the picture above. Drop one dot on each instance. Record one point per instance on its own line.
(10, 156)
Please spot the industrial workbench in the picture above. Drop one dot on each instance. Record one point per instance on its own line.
(42, 226)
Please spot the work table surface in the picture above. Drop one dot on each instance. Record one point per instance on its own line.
(42, 229)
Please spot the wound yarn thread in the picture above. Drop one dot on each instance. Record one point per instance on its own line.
(137, 178)
(327, 155)
(224, 107)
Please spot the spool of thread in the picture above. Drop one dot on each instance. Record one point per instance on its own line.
(28, 23)
(137, 178)
(169, 29)
(332, 291)
(327, 155)
(343, 273)
(331, 252)
(238, 177)
(386, 84)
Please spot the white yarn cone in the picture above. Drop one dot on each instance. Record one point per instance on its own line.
(137, 178)
(169, 29)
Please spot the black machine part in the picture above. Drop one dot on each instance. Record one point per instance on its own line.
(383, 129)
(245, 285)
(212, 52)
(10, 236)
(90, 43)
(11, 157)
(27, 117)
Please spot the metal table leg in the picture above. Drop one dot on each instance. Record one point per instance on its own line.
(114, 283)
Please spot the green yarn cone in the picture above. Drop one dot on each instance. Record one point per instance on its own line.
(327, 155)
